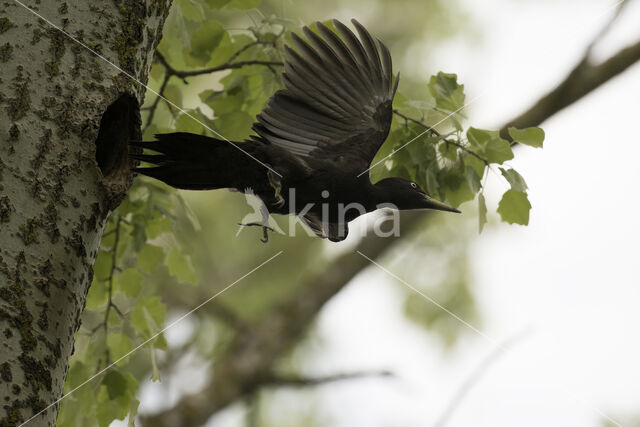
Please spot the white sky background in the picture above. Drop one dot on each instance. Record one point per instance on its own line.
(570, 276)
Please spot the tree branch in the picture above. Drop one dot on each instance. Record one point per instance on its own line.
(298, 382)
(583, 78)
(476, 375)
(183, 74)
(418, 122)
(443, 137)
(249, 362)
(605, 29)
(154, 106)
(229, 65)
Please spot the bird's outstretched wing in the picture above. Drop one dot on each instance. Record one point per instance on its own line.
(337, 99)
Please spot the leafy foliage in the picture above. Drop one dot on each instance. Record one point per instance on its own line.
(121, 313)
(143, 254)
(529, 136)
(429, 146)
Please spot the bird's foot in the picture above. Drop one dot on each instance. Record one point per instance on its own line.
(265, 229)
(274, 181)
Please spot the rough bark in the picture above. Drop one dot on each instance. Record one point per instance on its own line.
(63, 169)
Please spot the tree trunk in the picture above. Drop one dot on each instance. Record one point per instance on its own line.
(65, 118)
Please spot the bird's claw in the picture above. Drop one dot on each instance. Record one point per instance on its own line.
(279, 200)
(265, 229)
(274, 181)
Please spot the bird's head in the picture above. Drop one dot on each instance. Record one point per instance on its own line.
(407, 194)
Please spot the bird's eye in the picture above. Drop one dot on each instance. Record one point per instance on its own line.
(414, 185)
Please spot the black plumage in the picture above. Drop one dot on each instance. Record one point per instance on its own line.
(314, 137)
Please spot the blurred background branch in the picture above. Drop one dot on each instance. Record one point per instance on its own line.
(251, 358)
(583, 78)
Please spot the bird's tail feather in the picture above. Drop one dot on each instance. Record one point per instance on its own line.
(193, 162)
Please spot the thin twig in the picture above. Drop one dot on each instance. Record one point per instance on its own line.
(605, 29)
(582, 79)
(477, 374)
(114, 257)
(110, 304)
(170, 71)
(418, 122)
(226, 66)
(152, 108)
(468, 151)
(439, 135)
(249, 46)
(295, 381)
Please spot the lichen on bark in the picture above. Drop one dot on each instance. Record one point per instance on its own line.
(54, 198)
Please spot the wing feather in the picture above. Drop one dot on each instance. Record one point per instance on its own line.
(371, 51)
(312, 63)
(336, 104)
(343, 72)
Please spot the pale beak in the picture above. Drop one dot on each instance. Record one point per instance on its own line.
(437, 205)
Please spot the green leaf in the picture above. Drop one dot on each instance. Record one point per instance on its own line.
(477, 164)
(129, 282)
(514, 207)
(180, 266)
(133, 412)
(189, 123)
(204, 42)
(160, 343)
(78, 374)
(148, 316)
(116, 384)
(387, 148)
(149, 257)
(139, 235)
(97, 295)
(108, 411)
(174, 94)
(177, 27)
(421, 105)
(155, 372)
(489, 144)
(498, 151)
(448, 151)
(116, 398)
(189, 213)
(449, 95)
(190, 9)
(224, 102)
(243, 4)
(456, 187)
(482, 212)
(515, 179)
(119, 345)
(533, 136)
(472, 179)
(210, 95)
(158, 226)
(234, 126)
(102, 266)
(157, 72)
(433, 187)
(217, 4)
